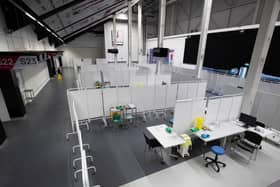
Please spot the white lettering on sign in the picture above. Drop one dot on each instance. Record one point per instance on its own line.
(25, 60)
(6, 61)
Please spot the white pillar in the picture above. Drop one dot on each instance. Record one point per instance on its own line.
(254, 20)
(129, 56)
(262, 43)
(161, 24)
(161, 28)
(203, 36)
(140, 32)
(114, 37)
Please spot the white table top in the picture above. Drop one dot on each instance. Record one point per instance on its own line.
(164, 138)
(263, 131)
(221, 130)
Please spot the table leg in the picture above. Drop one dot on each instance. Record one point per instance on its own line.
(224, 142)
(203, 148)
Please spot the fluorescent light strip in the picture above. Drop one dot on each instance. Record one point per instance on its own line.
(30, 16)
(42, 25)
(34, 19)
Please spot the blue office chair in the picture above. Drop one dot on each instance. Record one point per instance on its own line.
(218, 151)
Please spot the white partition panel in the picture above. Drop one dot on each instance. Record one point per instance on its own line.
(160, 96)
(143, 98)
(182, 91)
(171, 94)
(80, 99)
(107, 75)
(110, 99)
(151, 79)
(212, 110)
(138, 79)
(162, 78)
(89, 78)
(198, 108)
(182, 116)
(192, 89)
(100, 61)
(94, 101)
(224, 109)
(201, 89)
(235, 107)
(123, 95)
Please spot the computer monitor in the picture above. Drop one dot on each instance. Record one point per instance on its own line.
(247, 119)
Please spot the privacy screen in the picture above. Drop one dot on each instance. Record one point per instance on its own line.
(227, 50)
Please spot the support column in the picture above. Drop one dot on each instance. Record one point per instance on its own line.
(129, 56)
(161, 27)
(114, 37)
(256, 13)
(203, 36)
(265, 32)
(140, 32)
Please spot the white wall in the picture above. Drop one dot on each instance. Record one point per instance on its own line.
(123, 49)
(86, 46)
(178, 44)
(33, 76)
(22, 39)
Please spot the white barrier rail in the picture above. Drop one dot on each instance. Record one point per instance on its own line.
(84, 165)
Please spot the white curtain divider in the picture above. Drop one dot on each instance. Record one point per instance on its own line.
(198, 108)
(171, 95)
(267, 109)
(146, 98)
(235, 107)
(80, 99)
(123, 95)
(212, 110)
(223, 108)
(182, 91)
(143, 97)
(94, 103)
(160, 97)
(110, 99)
(186, 111)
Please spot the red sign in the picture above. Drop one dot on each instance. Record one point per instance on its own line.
(8, 62)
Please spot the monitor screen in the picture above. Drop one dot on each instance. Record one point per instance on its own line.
(247, 119)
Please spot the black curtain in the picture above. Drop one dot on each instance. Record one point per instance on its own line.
(227, 50)
(11, 93)
(2, 133)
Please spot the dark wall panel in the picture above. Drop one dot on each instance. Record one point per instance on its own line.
(11, 94)
(227, 50)
(2, 133)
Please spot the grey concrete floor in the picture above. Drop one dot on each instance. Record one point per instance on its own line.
(35, 152)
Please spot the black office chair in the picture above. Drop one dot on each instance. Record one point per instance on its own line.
(261, 124)
(151, 144)
(250, 143)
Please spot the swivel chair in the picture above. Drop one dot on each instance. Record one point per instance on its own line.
(218, 151)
